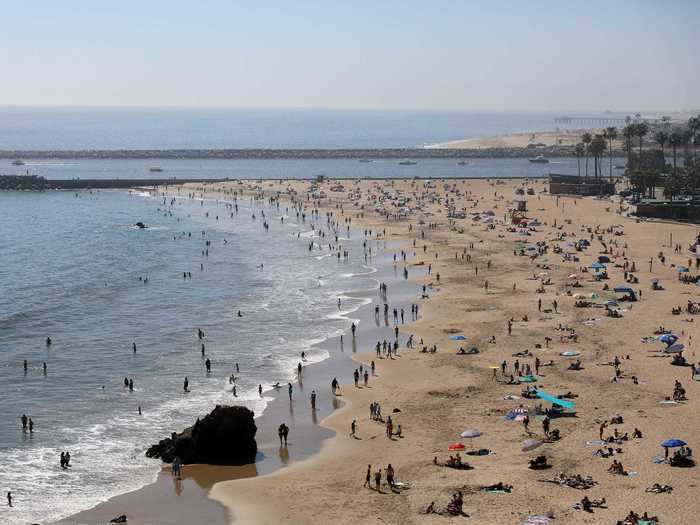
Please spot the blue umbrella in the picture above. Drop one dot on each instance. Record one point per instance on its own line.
(597, 265)
(554, 400)
(682, 269)
(673, 443)
(457, 337)
(669, 339)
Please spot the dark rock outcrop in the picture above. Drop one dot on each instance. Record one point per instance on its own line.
(224, 437)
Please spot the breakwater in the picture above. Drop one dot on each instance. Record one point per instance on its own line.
(36, 183)
(383, 153)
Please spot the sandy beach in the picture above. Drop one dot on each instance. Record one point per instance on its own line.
(441, 394)
(565, 137)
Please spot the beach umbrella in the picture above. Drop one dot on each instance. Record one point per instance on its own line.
(610, 302)
(570, 353)
(682, 269)
(531, 444)
(654, 280)
(603, 259)
(527, 379)
(673, 443)
(456, 446)
(573, 276)
(457, 337)
(471, 433)
(674, 349)
(597, 266)
(669, 339)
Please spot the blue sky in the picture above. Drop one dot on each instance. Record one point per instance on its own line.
(559, 55)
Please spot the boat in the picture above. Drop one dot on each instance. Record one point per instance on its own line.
(539, 159)
(366, 160)
(408, 162)
(619, 167)
(18, 162)
(462, 163)
(155, 169)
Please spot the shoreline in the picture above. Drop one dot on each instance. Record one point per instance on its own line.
(165, 500)
(327, 486)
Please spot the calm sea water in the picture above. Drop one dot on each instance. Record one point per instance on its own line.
(278, 169)
(70, 270)
(76, 128)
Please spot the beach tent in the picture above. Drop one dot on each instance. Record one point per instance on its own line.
(555, 400)
(626, 290)
(603, 259)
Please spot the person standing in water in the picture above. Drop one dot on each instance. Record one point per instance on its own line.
(24, 422)
(186, 385)
(9, 499)
(289, 389)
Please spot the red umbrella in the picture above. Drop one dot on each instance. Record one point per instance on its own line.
(456, 446)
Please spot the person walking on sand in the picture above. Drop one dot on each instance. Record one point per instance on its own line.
(526, 423)
(313, 400)
(353, 428)
(378, 480)
(368, 478)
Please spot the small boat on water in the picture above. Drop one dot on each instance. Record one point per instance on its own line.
(408, 162)
(18, 162)
(366, 160)
(619, 167)
(463, 163)
(539, 159)
(155, 169)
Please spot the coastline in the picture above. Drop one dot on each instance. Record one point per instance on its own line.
(460, 392)
(449, 393)
(166, 501)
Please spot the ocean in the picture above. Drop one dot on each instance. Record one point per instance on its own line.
(139, 128)
(73, 269)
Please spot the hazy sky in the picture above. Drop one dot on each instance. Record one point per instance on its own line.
(492, 55)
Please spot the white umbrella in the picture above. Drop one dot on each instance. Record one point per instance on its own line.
(471, 433)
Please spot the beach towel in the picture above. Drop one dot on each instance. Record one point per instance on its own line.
(537, 520)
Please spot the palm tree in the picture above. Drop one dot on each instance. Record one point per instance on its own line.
(661, 138)
(586, 138)
(641, 130)
(694, 127)
(610, 134)
(628, 132)
(597, 148)
(579, 150)
(675, 140)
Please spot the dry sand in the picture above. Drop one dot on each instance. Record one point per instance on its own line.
(442, 394)
(520, 140)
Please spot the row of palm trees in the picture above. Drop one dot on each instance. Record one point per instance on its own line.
(595, 146)
(635, 131)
